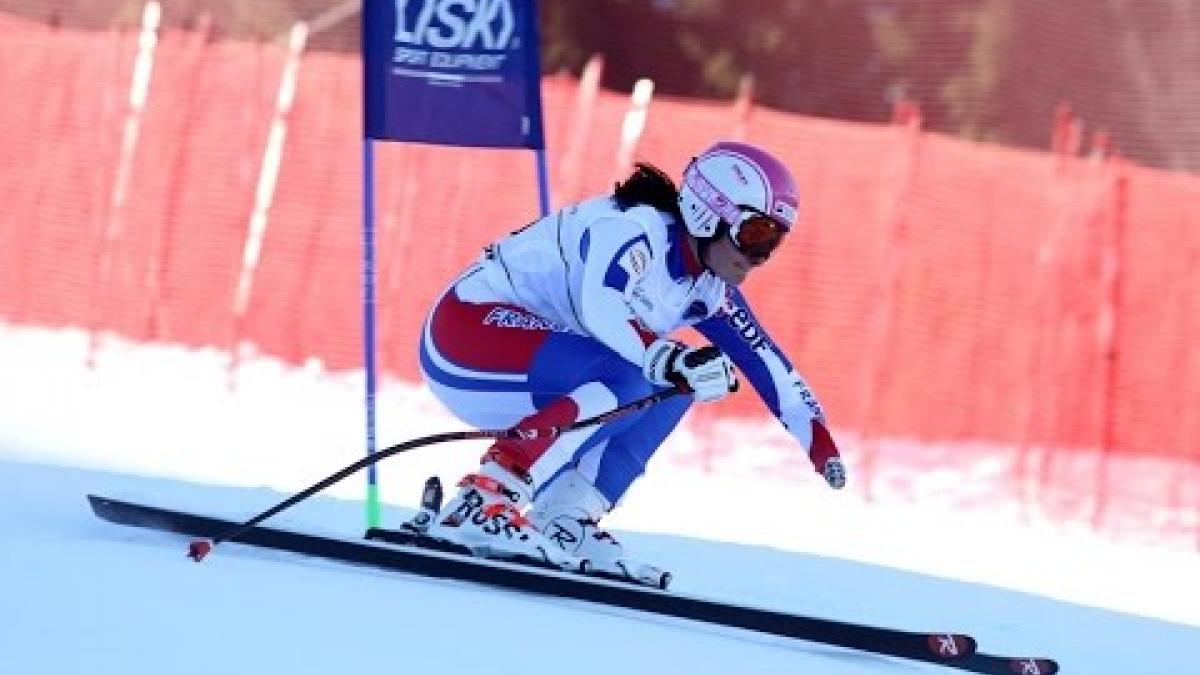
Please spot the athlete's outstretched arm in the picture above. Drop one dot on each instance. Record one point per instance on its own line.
(739, 334)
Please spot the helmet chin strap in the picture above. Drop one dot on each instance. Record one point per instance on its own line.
(702, 243)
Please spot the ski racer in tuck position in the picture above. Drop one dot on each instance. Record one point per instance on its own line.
(569, 318)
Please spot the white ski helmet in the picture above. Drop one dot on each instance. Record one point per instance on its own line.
(731, 181)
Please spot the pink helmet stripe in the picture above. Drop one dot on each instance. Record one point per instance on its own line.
(710, 195)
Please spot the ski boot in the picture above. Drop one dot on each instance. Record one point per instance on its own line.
(485, 519)
(568, 513)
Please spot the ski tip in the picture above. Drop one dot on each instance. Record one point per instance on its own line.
(199, 548)
(97, 503)
(952, 645)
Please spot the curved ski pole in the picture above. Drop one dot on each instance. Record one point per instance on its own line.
(201, 547)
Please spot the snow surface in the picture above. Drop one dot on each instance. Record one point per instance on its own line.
(173, 427)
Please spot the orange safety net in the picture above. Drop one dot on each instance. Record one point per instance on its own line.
(937, 290)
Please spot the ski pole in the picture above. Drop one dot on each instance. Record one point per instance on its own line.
(201, 547)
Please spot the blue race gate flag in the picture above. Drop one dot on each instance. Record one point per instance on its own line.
(452, 72)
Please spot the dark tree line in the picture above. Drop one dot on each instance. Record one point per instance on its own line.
(990, 70)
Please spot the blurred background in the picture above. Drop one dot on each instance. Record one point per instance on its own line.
(995, 290)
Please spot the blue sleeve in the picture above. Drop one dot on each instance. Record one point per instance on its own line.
(736, 331)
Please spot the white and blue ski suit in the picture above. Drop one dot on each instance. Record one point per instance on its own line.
(550, 325)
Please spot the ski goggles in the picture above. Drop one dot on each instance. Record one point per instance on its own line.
(755, 234)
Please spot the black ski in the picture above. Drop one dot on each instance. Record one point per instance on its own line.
(952, 650)
(976, 662)
(1008, 665)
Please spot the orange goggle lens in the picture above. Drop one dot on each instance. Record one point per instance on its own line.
(757, 236)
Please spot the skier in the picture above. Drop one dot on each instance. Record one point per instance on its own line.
(570, 317)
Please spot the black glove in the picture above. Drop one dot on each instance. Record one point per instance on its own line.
(705, 371)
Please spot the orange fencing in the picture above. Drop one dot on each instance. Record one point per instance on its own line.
(938, 290)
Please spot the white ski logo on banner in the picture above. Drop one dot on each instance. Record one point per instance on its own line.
(453, 41)
(456, 24)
